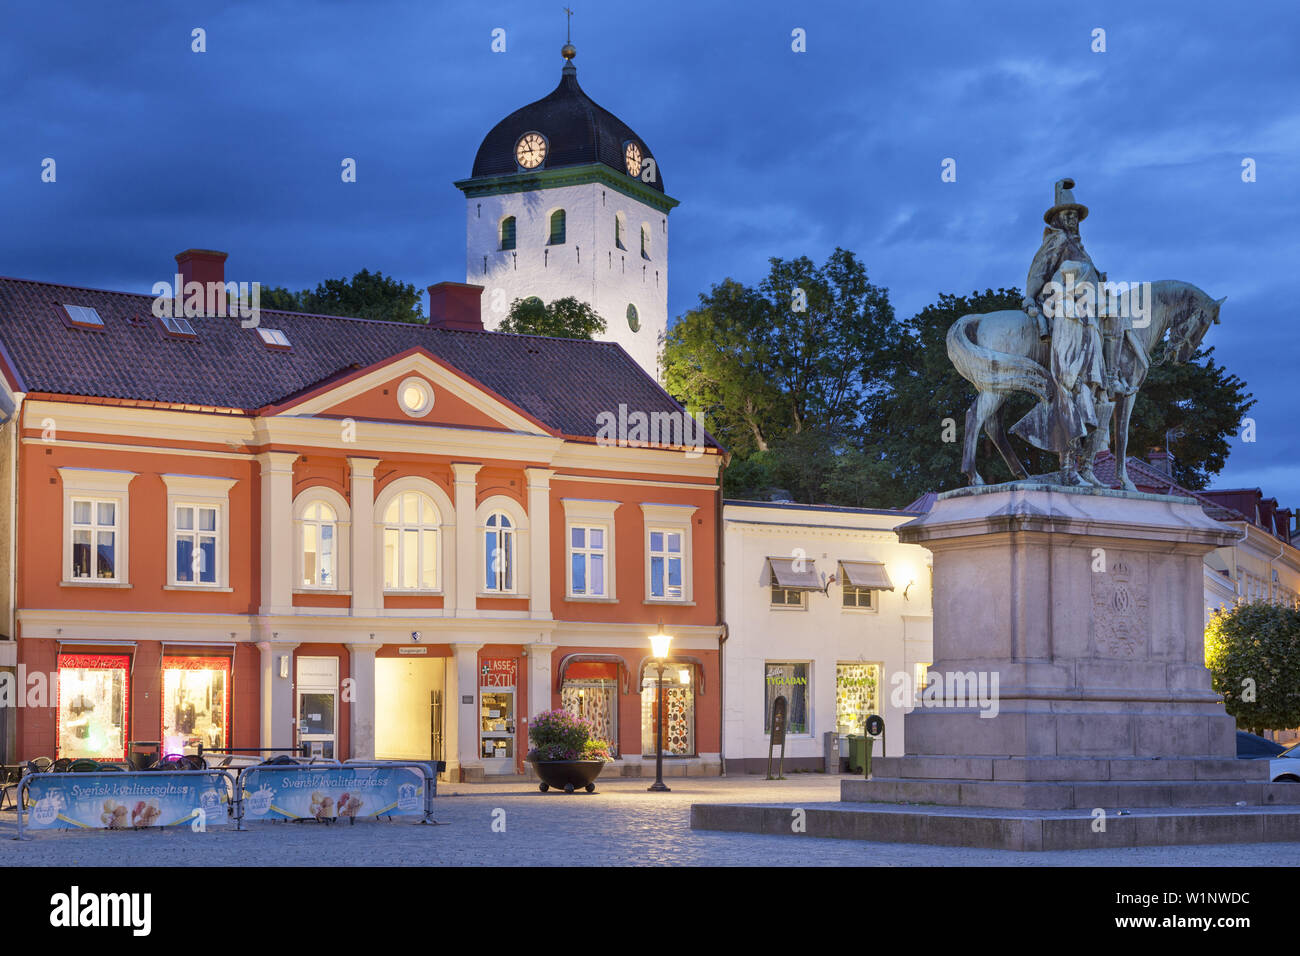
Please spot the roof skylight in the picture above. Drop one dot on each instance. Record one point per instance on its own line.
(273, 338)
(84, 316)
(178, 325)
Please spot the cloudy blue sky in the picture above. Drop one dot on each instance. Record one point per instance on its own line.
(771, 152)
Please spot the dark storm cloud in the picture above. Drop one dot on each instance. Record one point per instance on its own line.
(770, 152)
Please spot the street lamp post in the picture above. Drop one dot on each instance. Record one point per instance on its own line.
(659, 644)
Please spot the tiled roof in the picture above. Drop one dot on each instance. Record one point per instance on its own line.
(564, 383)
(1154, 481)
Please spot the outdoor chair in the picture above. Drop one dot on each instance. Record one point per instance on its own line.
(40, 765)
(62, 765)
(9, 781)
(83, 765)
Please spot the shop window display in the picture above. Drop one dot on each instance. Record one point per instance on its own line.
(857, 693)
(93, 704)
(596, 699)
(791, 681)
(679, 712)
(196, 703)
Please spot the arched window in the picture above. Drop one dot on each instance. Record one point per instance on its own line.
(645, 241)
(633, 319)
(557, 228)
(499, 553)
(319, 551)
(618, 230)
(508, 233)
(411, 543)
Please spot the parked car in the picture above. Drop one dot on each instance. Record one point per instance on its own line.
(1253, 746)
(1286, 765)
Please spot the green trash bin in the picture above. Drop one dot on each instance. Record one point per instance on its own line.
(857, 752)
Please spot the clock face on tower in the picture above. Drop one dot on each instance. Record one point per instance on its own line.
(632, 156)
(530, 150)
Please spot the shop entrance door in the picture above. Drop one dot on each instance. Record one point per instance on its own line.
(318, 681)
(496, 699)
(435, 725)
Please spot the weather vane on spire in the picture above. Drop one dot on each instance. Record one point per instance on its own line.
(568, 51)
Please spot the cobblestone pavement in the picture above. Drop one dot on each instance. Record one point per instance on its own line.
(621, 824)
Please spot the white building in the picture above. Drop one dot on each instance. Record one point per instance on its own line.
(826, 607)
(566, 200)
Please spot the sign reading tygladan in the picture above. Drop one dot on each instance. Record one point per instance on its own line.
(115, 801)
(325, 793)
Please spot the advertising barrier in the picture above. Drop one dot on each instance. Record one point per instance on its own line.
(317, 792)
(121, 801)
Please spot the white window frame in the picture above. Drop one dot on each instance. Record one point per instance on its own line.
(675, 519)
(772, 603)
(809, 696)
(587, 552)
(870, 608)
(496, 526)
(446, 537)
(97, 485)
(590, 513)
(425, 390)
(436, 528)
(521, 538)
(342, 540)
(199, 491)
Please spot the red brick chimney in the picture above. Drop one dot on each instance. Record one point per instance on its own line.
(456, 305)
(201, 265)
(1160, 460)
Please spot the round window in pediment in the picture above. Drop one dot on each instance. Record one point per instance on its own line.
(415, 396)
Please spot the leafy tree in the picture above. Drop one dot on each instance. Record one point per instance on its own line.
(566, 318)
(917, 424)
(367, 295)
(803, 351)
(1253, 650)
(1197, 407)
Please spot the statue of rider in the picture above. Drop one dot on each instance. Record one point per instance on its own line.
(1075, 424)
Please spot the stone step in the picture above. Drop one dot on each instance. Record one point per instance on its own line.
(1003, 829)
(1065, 795)
(1085, 769)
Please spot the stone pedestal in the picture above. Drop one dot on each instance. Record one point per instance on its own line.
(1084, 610)
(1068, 678)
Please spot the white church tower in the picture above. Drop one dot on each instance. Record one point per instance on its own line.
(566, 200)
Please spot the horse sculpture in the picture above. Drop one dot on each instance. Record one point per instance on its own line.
(1001, 353)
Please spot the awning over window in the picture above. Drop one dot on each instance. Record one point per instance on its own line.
(867, 574)
(784, 574)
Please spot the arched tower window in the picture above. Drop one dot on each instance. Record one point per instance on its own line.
(508, 233)
(619, 229)
(557, 228)
(645, 241)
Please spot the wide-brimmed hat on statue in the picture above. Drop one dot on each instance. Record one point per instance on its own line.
(1065, 200)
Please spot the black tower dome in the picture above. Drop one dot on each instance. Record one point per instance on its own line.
(578, 132)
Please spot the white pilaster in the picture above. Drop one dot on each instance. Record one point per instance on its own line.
(468, 571)
(276, 694)
(539, 522)
(277, 531)
(467, 722)
(366, 580)
(363, 703)
(539, 678)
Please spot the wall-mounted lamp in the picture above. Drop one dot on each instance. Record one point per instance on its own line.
(906, 589)
(415, 636)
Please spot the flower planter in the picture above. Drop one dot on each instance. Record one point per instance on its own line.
(568, 775)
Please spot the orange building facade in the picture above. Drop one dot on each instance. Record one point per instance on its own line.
(396, 560)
